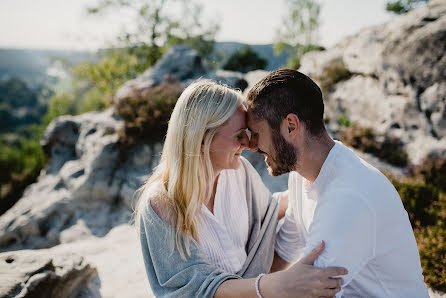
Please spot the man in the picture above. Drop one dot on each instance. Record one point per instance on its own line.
(333, 195)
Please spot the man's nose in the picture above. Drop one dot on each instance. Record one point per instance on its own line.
(253, 143)
(244, 144)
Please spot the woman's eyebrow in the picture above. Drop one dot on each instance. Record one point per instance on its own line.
(240, 129)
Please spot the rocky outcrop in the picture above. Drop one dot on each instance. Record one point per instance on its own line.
(40, 273)
(395, 82)
(181, 63)
(86, 189)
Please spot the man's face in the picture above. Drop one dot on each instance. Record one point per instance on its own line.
(280, 155)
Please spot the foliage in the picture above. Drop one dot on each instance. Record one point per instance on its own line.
(60, 105)
(363, 138)
(344, 121)
(245, 60)
(147, 114)
(433, 171)
(16, 93)
(298, 31)
(432, 246)
(418, 199)
(21, 165)
(403, 6)
(19, 105)
(425, 202)
(333, 74)
(156, 28)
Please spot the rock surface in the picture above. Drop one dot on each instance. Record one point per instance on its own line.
(184, 64)
(397, 81)
(43, 273)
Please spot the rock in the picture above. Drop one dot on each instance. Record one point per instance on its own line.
(180, 62)
(230, 78)
(43, 274)
(86, 189)
(397, 79)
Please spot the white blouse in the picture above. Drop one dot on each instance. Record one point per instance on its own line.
(223, 235)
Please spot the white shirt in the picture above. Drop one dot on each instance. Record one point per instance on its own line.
(223, 235)
(360, 216)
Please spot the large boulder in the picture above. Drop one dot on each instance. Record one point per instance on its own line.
(86, 189)
(390, 77)
(183, 64)
(41, 273)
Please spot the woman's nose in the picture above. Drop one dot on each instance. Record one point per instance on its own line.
(244, 143)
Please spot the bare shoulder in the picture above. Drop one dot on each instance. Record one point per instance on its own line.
(160, 204)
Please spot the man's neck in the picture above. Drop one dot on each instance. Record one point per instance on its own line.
(313, 155)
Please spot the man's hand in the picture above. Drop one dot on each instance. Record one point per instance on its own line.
(303, 279)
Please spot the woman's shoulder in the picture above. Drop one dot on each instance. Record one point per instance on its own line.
(160, 205)
(155, 204)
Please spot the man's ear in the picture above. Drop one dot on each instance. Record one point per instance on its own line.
(292, 124)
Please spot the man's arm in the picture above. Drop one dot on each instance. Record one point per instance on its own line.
(300, 280)
(347, 224)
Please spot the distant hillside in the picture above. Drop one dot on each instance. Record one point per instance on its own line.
(224, 49)
(35, 66)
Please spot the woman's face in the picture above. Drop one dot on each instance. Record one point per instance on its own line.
(229, 141)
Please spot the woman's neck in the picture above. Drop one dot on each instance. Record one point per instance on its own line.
(210, 203)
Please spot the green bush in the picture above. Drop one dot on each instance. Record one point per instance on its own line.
(21, 165)
(433, 171)
(245, 60)
(425, 201)
(418, 199)
(333, 74)
(59, 105)
(147, 113)
(432, 246)
(364, 138)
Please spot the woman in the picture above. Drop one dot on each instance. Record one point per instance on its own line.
(205, 218)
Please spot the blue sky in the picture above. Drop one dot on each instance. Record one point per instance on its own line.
(63, 24)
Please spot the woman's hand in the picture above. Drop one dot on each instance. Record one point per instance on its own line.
(303, 280)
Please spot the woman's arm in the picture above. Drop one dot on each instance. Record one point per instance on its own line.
(300, 280)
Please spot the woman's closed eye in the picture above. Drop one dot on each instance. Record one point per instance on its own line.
(242, 135)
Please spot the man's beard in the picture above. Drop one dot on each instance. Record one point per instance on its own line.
(285, 155)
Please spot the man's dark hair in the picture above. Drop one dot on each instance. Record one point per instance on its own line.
(287, 91)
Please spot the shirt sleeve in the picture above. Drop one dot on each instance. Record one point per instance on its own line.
(288, 240)
(347, 225)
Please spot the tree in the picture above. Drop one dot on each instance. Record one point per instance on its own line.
(298, 33)
(156, 28)
(403, 6)
(245, 60)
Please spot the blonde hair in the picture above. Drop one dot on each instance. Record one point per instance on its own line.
(185, 170)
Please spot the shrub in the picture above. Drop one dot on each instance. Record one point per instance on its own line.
(21, 166)
(432, 246)
(147, 113)
(245, 60)
(425, 202)
(433, 171)
(363, 138)
(344, 121)
(333, 74)
(418, 199)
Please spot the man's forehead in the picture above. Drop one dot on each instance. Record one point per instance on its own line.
(254, 122)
